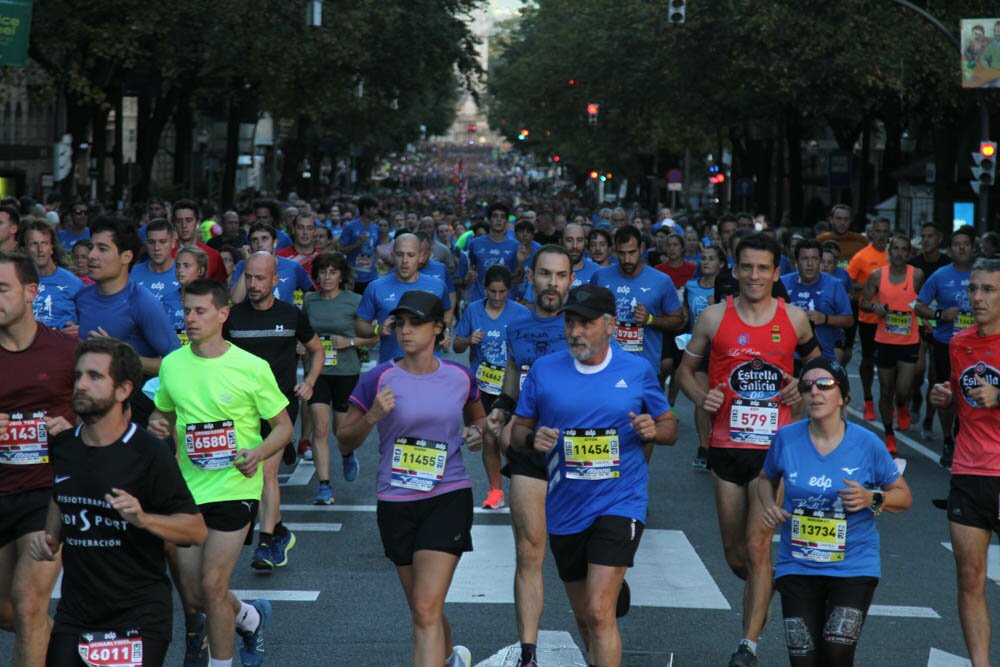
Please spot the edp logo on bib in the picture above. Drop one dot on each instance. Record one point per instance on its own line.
(986, 374)
(755, 380)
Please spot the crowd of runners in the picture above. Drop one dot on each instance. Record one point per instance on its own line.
(156, 370)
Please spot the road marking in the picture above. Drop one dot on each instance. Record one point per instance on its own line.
(301, 475)
(555, 649)
(311, 527)
(992, 561)
(487, 573)
(902, 611)
(366, 508)
(939, 658)
(900, 437)
(278, 596)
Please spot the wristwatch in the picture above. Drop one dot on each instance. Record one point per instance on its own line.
(352, 342)
(878, 499)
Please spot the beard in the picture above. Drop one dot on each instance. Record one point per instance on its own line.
(584, 353)
(91, 409)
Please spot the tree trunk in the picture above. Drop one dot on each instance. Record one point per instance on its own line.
(232, 154)
(864, 187)
(793, 135)
(946, 138)
(152, 121)
(99, 127)
(183, 140)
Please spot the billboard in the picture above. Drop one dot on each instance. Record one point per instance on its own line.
(15, 23)
(981, 53)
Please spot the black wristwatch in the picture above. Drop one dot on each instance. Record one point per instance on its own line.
(878, 499)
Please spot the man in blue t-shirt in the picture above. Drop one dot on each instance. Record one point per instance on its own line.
(494, 248)
(55, 304)
(436, 269)
(647, 300)
(382, 295)
(947, 290)
(822, 296)
(574, 239)
(593, 410)
(77, 227)
(358, 241)
(157, 273)
(293, 281)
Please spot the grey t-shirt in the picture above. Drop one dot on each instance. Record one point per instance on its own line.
(330, 317)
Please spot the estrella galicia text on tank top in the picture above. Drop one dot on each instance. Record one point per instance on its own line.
(754, 415)
(985, 374)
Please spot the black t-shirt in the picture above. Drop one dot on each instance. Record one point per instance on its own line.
(114, 574)
(545, 239)
(271, 335)
(929, 267)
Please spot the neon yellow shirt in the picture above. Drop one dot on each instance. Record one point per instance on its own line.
(219, 403)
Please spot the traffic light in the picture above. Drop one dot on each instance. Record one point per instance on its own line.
(984, 169)
(523, 134)
(609, 176)
(572, 82)
(593, 174)
(677, 10)
(555, 158)
(592, 110)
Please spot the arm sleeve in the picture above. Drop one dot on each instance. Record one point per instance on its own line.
(654, 403)
(772, 464)
(163, 400)
(928, 291)
(364, 392)
(237, 273)
(267, 397)
(157, 328)
(668, 299)
(444, 294)
(841, 299)
(168, 491)
(366, 309)
(302, 279)
(527, 402)
(303, 328)
(464, 326)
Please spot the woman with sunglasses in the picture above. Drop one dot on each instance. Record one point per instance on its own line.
(837, 478)
(425, 408)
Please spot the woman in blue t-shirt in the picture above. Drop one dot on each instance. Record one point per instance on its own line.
(838, 477)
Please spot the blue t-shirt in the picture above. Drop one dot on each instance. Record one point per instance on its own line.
(438, 270)
(381, 298)
(132, 315)
(291, 277)
(362, 258)
(652, 289)
(532, 338)
(283, 241)
(492, 351)
(165, 288)
(484, 253)
(427, 421)
(68, 239)
(812, 483)
(587, 477)
(948, 288)
(55, 304)
(827, 295)
(698, 298)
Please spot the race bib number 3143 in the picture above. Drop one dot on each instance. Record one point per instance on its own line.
(26, 441)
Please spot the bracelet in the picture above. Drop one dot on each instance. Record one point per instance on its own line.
(377, 328)
(649, 319)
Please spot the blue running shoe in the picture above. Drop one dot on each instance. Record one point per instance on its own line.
(196, 646)
(263, 558)
(351, 467)
(324, 496)
(252, 651)
(280, 546)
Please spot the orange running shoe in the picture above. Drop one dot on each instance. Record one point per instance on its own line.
(903, 417)
(890, 443)
(494, 500)
(870, 409)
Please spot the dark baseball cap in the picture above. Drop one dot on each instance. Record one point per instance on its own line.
(590, 301)
(424, 305)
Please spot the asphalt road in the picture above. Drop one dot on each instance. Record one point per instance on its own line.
(338, 601)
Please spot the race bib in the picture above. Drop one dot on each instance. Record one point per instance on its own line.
(329, 351)
(964, 321)
(418, 464)
(630, 336)
(524, 376)
(297, 297)
(818, 536)
(489, 378)
(211, 445)
(183, 337)
(898, 322)
(591, 453)
(106, 649)
(753, 422)
(26, 441)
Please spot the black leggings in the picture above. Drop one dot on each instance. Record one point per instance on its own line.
(824, 617)
(63, 651)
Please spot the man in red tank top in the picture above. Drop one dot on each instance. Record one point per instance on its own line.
(973, 511)
(751, 341)
(891, 294)
(36, 403)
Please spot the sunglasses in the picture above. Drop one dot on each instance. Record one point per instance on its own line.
(824, 384)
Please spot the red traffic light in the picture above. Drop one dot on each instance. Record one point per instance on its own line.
(592, 109)
(988, 149)
(555, 158)
(717, 179)
(572, 82)
(593, 174)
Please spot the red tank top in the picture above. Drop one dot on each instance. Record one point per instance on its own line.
(977, 451)
(749, 362)
(899, 326)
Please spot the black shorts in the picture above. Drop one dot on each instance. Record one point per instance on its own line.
(888, 356)
(487, 400)
(866, 332)
(23, 513)
(824, 615)
(334, 390)
(610, 540)
(229, 516)
(441, 523)
(973, 501)
(942, 362)
(526, 464)
(737, 466)
(63, 651)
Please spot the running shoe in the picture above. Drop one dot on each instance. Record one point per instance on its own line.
(263, 558)
(305, 449)
(351, 467)
(289, 455)
(494, 499)
(463, 657)
(890, 443)
(324, 496)
(743, 657)
(252, 651)
(196, 646)
(927, 431)
(531, 662)
(280, 546)
(903, 417)
(624, 600)
(700, 461)
(869, 414)
(947, 452)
